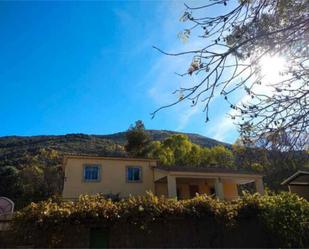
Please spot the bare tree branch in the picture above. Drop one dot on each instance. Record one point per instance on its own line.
(231, 61)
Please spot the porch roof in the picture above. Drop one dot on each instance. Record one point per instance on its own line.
(240, 177)
(207, 170)
(299, 178)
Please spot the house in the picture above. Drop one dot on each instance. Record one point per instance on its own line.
(132, 176)
(298, 183)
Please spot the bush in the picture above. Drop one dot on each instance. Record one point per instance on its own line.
(283, 216)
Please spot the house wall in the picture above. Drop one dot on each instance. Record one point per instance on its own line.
(113, 177)
(161, 189)
(183, 186)
(230, 190)
(302, 191)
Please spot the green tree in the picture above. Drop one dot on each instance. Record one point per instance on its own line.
(9, 182)
(275, 165)
(179, 150)
(35, 178)
(181, 147)
(220, 156)
(164, 154)
(53, 180)
(32, 182)
(194, 157)
(137, 140)
(282, 165)
(176, 150)
(250, 157)
(206, 156)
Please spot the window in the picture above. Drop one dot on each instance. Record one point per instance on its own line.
(91, 173)
(134, 174)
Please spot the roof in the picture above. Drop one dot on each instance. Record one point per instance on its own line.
(206, 170)
(108, 158)
(299, 178)
(167, 168)
(66, 157)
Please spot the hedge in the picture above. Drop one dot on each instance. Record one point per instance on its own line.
(284, 216)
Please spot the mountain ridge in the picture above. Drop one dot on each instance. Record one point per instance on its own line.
(14, 149)
(117, 137)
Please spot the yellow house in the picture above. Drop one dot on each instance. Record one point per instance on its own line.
(132, 176)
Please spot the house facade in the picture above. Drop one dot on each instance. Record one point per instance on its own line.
(298, 183)
(132, 176)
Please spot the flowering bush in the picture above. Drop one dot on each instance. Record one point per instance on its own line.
(285, 216)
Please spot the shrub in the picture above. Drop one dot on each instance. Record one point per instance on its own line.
(283, 216)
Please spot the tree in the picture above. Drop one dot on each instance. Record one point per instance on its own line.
(137, 140)
(37, 177)
(53, 180)
(247, 157)
(179, 150)
(9, 183)
(229, 62)
(176, 150)
(163, 154)
(181, 146)
(275, 165)
(220, 156)
(32, 182)
(194, 157)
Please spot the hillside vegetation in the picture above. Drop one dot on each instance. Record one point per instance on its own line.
(13, 148)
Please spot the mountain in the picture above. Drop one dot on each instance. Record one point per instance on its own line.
(161, 135)
(13, 149)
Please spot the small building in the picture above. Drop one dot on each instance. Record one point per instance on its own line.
(135, 176)
(298, 183)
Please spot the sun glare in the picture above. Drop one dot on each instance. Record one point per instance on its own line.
(271, 67)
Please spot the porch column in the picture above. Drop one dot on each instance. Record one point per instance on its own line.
(219, 189)
(171, 186)
(259, 186)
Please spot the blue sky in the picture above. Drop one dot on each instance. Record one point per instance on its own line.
(89, 67)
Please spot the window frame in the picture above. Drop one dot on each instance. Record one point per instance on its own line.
(140, 174)
(84, 172)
